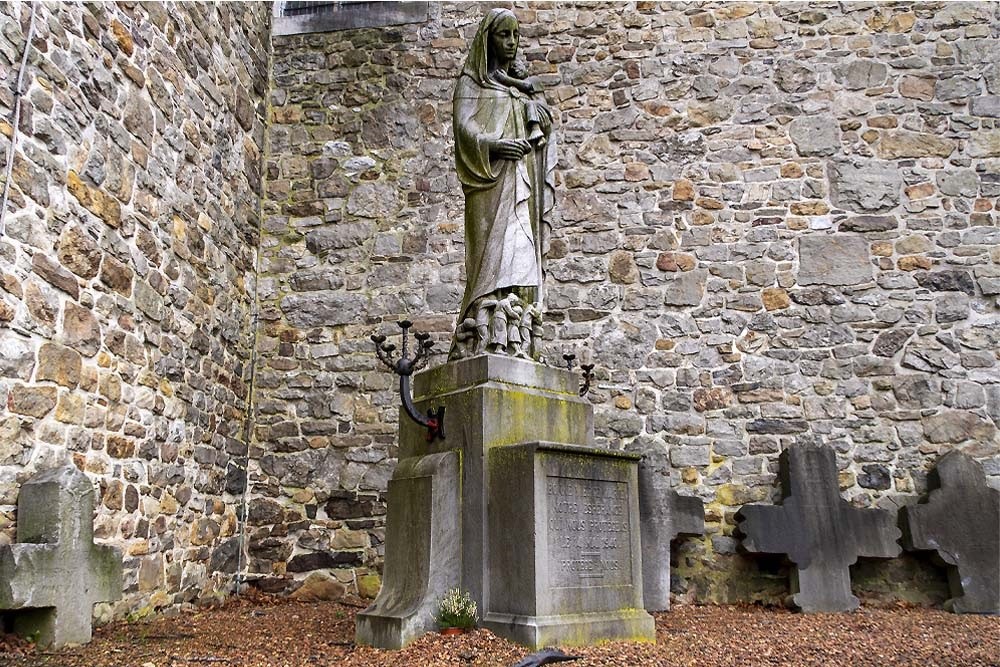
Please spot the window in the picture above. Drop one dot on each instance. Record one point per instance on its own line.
(302, 16)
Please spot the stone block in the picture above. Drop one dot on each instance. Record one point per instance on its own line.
(986, 105)
(343, 236)
(792, 76)
(55, 574)
(951, 307)
(369, 585)
(821, 534)
(815, 135)
(955, 426)
(33, 401)
(958, 183)
(902, 144)
(499, 400)
(59, 364)
(686, 289)
(838, 259)
(865, 186)
(690, 455)
(956, 87)
(947, 281)
(116, 275)
(988, 278)
(984, 143)
(870, 223)
(860, 74)
(80, 329)
(79, 253)
(917, 87)
(959, 521)
(55, 274)
(322, 308)
(423, 551)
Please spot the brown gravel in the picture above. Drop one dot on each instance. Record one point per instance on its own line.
(261, 632)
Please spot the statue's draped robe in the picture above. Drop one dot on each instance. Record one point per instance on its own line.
(507, 203)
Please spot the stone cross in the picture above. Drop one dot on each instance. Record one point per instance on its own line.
(664, 515)
(821, 533)
(55, 573)
(960, 522)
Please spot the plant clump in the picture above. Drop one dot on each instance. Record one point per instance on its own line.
(457, 610)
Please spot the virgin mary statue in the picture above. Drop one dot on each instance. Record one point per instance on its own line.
(505, 155)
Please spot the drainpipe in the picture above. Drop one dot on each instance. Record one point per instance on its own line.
(249, 422)
(18, 93)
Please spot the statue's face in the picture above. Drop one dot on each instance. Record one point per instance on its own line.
(503, 39)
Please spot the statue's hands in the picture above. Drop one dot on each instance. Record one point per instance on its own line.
(509, 149)
(545, 119)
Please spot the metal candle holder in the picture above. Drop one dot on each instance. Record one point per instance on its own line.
(588, 372)
(404, 367)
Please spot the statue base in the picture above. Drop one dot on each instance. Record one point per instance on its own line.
(544, 533)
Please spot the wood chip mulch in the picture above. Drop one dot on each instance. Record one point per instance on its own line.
(265, 632)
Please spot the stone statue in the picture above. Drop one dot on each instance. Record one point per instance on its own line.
(505, 155)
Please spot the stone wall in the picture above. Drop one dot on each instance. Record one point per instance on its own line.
(127, 273)
(775, 223)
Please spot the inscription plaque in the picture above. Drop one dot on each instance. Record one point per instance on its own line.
(588, 532)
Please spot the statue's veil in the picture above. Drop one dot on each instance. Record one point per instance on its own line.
(477, 62)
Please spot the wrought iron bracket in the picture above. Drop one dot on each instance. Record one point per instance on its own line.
(406, 366)
(588, 375)
(588, 372)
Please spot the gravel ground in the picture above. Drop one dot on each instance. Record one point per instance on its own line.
(261, 632)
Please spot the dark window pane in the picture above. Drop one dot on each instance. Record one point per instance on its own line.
(303, 7)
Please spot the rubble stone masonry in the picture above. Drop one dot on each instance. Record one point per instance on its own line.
(776, 222)
(127, 274)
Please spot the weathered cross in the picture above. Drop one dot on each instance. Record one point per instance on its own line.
(664, 515)
(55, 573)
(821, 533)
(960, 522)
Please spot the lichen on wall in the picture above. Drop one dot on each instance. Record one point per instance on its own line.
(127, 274)
(776, 222)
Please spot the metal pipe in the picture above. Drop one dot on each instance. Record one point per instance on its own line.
(18, 92)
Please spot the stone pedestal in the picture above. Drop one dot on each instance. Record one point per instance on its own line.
(564, 564)
(494, 407)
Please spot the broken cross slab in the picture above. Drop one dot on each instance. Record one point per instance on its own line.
(960, 522)
(55, 573)
(821, 533)
(664, 515)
